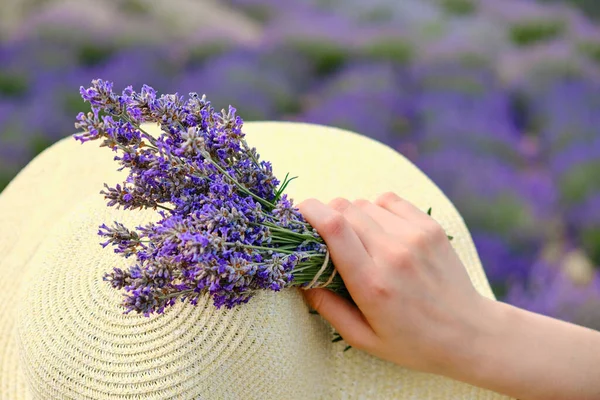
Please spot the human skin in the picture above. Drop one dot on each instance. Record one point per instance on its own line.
(416, 307)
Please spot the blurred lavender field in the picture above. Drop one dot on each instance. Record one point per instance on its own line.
(497, 101)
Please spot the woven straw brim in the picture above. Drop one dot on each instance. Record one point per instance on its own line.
(63, 336)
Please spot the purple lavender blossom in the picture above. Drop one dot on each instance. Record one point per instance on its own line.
(539, 189)
(226, 228)
(243, 77)
(366, 98)
(574, 154)
(551, 292)
(554, 60)
(487, 177)
(476, 121)
(505, 263)
(487, 192)
(136, 65)
(126, 240)
(561, 122)
(72, 24)
(587, 213)
(584, 220)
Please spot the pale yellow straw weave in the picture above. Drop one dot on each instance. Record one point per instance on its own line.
(63, 335)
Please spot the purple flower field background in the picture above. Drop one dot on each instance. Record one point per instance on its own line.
(497, 101)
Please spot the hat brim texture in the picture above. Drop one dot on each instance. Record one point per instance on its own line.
(64, 336)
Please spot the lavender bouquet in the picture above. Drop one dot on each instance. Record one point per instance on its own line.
(226, 227)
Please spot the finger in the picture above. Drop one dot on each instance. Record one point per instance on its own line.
(390, 222)
(401, 207)
(346, 318)
(347, 251)
(366, 228)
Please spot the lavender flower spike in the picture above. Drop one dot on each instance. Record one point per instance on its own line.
(226, 229)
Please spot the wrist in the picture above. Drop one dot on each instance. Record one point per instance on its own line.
(525, 355)
(472, 355)
(492, 357)
(489, 342)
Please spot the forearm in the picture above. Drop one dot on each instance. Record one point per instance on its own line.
(530, 356)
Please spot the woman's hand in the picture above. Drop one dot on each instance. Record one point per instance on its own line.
(416, 304)
(416, 307)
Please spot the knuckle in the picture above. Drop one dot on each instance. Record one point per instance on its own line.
(435, 232)
(306, 203)
(387, 198)
(334, 224)
(419, 239)
(378, 289)
(397, 256)
(361, 203)
(340, 204)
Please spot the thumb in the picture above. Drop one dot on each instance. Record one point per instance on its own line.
(344, 316)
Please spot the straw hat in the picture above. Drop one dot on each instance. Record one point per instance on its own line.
(63, 335)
